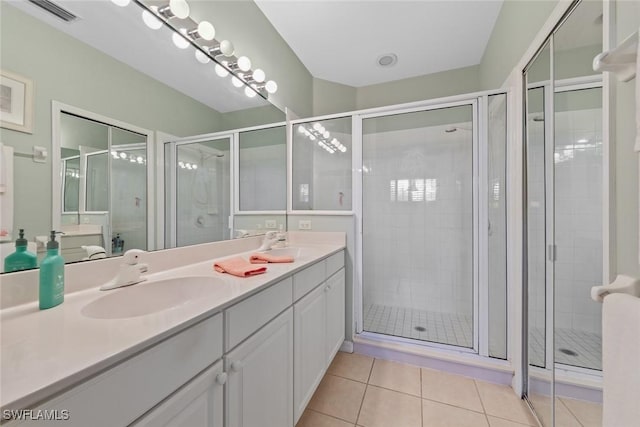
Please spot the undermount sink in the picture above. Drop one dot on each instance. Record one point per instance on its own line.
(290, 251)
(153, 297)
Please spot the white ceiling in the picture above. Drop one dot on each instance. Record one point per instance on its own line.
(121, 33)
(340, 41)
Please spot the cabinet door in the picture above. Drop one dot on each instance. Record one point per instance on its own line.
(335, 314)
(259, 390)
(309, 346)
(197, 404)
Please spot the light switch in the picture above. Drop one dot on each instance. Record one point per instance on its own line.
(304, 224)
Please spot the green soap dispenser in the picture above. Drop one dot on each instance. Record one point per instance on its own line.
(52, 276)
(21, 259)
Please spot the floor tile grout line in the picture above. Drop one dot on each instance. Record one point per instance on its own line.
(373, 362)
(328, 415)
(484, 411)
(570, 411)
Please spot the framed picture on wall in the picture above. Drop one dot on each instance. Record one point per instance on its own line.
(16, 102)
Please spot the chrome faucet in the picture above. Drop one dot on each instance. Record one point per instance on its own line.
(130, 270)
(270, 239)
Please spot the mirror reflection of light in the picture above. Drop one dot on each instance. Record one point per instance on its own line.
(123, 155)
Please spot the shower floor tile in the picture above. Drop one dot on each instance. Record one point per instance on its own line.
(445, 328)
(574, 348)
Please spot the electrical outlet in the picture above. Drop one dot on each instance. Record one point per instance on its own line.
(304, 224)
(270, 223)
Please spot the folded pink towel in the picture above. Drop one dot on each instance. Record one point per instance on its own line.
(238, 267)
(263, 258)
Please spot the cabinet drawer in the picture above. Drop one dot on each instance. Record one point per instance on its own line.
(335, 262)
(307, 279)
(246, 317)
(123, 393)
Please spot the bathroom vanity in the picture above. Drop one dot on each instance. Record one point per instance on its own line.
(224, 351)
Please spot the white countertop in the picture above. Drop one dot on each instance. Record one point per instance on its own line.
(45, 351)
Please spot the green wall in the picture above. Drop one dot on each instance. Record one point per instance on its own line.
(518, 23)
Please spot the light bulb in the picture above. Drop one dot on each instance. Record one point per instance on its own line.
(271, 86)
(188, 165)
(244, 63)
(221, 71)
(139, 159)
(194, 167)
(258, 75)
(150, 20)
(236, 81)
(312, 137)
(206, 30)
(123, 155)
(179, 8)
(121, 3)
(202, 58)
(301, 129)
(249, 92)
(226, 48)
(179, 41)
(326, 134)
(181, 164)
(317, 126)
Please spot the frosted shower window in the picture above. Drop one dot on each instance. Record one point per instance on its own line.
(263, 169)
(322, 165)
(97, 171)
(71, 168)
(418, 225)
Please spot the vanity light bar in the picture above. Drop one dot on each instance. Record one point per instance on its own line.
(175, 15)
(322, 135)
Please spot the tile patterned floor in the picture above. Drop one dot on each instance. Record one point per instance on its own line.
(587, 347)
(362, 391)
(445, 328)
(456, 329)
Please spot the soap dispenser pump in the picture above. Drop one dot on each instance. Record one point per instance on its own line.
(52, 275)
(21, 259)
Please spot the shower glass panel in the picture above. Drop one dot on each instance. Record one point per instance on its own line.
(97, 193)
(539, 271)
(202, 172)
(129, 201)
(578, 227)
(322, 165)
(263, 169)
(497, 227)
(418, 229)
(71, 184)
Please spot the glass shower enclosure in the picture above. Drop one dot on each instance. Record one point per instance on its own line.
(433, 221)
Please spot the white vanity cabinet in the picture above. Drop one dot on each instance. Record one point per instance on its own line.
(256, 364)
(259, 390)
(198, 404)
(319, 330)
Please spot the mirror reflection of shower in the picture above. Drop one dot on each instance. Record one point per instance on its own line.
(202, 192)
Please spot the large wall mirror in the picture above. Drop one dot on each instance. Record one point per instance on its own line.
(564, 217)
(125, 97)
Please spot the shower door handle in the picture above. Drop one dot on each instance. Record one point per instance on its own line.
(552, 250)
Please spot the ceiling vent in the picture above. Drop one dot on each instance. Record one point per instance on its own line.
(54, 9)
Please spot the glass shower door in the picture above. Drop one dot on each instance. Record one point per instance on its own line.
(418, 225)
(198, 191)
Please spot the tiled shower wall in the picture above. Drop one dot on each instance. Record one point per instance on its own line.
(203, 197)
(417, 213)
(578, 220)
